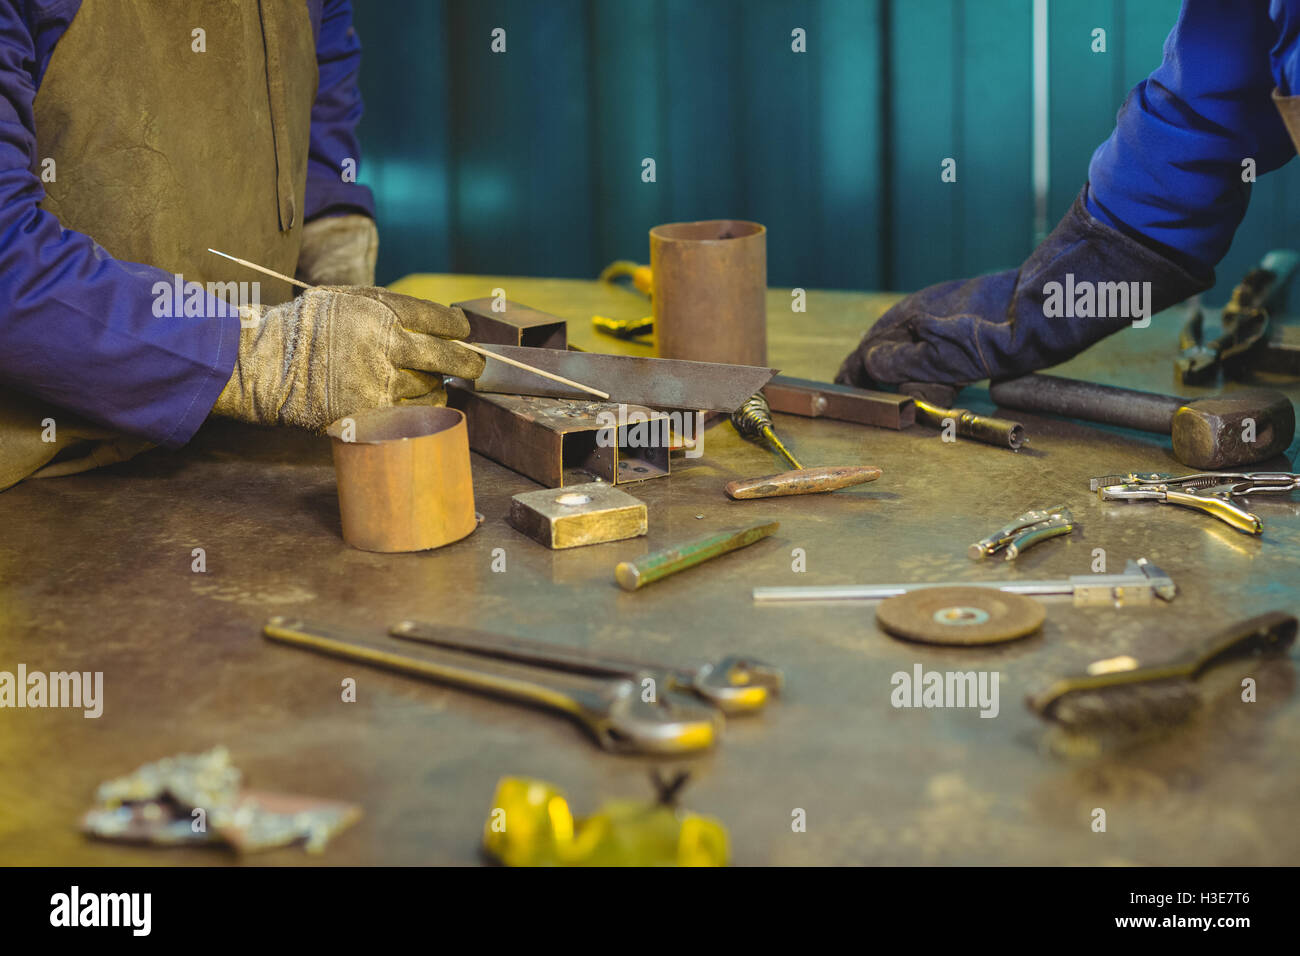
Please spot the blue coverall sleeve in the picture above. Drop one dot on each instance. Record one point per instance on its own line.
(1172, 170)
(77, 327)
(334, 118)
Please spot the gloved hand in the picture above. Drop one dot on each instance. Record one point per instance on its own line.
(332, 352)
(994, 326)
(339, 250)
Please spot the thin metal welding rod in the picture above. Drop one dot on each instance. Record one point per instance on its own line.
(780, 448)
(467, 345)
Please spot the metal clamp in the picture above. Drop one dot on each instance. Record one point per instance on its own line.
(1024, 532)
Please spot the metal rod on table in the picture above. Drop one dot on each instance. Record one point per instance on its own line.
(1140, 581)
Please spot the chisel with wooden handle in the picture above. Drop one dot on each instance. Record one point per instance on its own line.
(805, 481)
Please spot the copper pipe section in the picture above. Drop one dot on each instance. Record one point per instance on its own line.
(710, 291)
(403, 478)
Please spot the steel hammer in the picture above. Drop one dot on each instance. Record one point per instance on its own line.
(1217, 432)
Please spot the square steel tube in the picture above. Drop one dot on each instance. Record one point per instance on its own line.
(557, 441)
(517, 325)
(844, 403)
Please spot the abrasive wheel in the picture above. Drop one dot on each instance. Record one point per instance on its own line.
(960, 615)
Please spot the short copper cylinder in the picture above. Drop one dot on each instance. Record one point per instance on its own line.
(403, 478)
(710, 291)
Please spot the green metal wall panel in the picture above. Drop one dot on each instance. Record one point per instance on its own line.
(925, 130)
(530, 162)
(969, 100)
(520, 127)
(850, 207)
(995, 220)
(406, 155)
(1085, 89)
(628, 119)
(779, 133)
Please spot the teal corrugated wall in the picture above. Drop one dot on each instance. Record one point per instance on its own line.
(530, 162)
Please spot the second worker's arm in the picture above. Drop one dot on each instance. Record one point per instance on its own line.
(1165, 194)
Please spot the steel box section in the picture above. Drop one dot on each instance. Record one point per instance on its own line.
(843, 403)
(557, 442)
(516, 325)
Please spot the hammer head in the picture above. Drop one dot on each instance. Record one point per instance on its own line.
(1233, 429)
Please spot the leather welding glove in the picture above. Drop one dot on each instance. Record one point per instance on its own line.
(339, 250)
(994, 326)
(332, 352)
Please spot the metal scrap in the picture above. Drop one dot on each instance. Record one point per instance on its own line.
(195, 799)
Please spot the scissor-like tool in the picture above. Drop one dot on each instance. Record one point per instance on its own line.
(1029, 529)
(734, 685)
(616, 710)
(1211, 492)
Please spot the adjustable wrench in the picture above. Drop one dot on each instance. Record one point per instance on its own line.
(612, 709)
(735, 685)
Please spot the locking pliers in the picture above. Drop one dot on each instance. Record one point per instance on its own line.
(1209, 492)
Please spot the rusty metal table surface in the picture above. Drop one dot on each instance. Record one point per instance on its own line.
(95, 574)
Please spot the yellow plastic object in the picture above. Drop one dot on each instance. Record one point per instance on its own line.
(641, 276)
(623, 328)
(530, 824)
(643, 279)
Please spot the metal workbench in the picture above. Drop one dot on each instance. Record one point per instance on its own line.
(95, 574)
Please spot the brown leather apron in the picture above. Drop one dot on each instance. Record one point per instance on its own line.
(1289, 108)
(162, 151)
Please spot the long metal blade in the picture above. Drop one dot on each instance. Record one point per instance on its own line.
(631, 379)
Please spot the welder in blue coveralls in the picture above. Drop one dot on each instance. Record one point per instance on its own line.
(1165, 193)
(134, 134)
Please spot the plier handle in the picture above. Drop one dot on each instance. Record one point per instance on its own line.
(1024, 532)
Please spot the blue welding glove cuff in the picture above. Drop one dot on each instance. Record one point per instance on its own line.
(1013, 322)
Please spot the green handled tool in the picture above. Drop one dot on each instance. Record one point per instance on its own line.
(636, 574)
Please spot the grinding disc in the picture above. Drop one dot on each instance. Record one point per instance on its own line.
(960, 615)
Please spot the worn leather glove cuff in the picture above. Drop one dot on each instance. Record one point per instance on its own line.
(339, 251)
